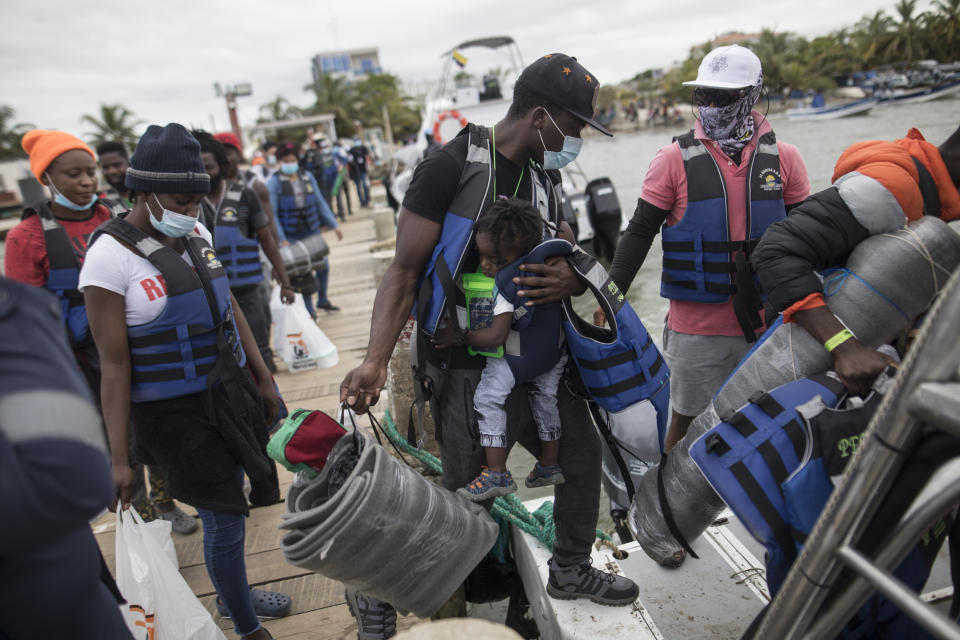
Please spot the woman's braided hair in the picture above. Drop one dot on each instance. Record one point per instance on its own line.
(513, 221)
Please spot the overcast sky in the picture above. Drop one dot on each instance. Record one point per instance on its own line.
(60, 59)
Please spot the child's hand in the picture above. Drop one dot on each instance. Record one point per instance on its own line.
(443, 338)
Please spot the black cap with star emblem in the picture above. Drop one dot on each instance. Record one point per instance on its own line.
(563, 81)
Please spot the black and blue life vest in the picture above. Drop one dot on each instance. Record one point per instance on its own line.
(173, 354)
(64, 274)
(239, 254)
(620, 366)
(474, 195)
(534, 345)
(700, 261)
(751, 453)
(298, 221)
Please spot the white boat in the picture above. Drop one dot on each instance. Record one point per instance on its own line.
(832, 112)
(926, 94)
(483, 97)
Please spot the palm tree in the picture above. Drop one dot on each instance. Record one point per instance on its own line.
(906, 43)
(11, 134)
(116, 123)
(278, 109)
(946, 26)
(871, 36)
(334, 95)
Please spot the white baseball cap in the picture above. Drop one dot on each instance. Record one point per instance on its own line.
(731, 67)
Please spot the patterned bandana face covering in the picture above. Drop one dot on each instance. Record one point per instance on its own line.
(732, 126)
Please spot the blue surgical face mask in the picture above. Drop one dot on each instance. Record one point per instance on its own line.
(272, 160)
(64, 201)
(289, 168)
(171, 224)
(566, 155)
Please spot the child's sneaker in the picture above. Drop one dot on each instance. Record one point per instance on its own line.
(489, 484)
(544, 476)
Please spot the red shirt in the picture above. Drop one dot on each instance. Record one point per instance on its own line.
(26, 251)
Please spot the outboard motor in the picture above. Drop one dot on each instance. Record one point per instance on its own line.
(603, 209)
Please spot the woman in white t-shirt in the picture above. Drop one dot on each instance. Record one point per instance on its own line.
(172, 344)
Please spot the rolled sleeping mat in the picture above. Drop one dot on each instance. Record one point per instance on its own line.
(889, 280)
(303, 256)
(386, 531)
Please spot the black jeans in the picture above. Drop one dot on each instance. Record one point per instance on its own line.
(251, 304)
(577, 500)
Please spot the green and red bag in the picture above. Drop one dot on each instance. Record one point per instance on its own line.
(304, 440)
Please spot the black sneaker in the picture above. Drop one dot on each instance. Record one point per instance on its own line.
(329, 307)
(376, 619)
(585, 581)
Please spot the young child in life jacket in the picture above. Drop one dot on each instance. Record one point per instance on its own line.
(507, 231)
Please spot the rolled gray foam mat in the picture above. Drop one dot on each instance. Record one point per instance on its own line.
(901, 273)
(386, 531)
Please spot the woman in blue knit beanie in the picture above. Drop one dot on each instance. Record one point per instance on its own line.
(173, 346)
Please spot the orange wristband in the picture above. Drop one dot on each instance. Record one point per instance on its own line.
(812, 301)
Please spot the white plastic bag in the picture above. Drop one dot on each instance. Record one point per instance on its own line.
(297, 338)
(160, 604)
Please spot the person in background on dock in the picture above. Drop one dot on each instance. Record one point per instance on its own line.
(114, 160)
(342, 156)
(270, 162)
(253, 180)
(196, 412)
(359, 170)
(48, 247)
(301, 212)
(54, 479)
(553, 100)
(711, 194)
(878, 186)
(242, 229)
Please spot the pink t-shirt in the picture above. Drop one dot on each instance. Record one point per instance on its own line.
(665, 187)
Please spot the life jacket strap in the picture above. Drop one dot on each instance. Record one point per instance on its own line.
(928, 190)
(709, 287)
(768, 512)
(667, 512)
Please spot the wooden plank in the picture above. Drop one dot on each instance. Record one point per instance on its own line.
(308, 593)
(263, 567)
(329, 623)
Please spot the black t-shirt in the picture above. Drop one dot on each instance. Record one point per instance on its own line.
(437, 177)
(359, 154)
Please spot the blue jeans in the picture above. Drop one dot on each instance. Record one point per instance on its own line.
(363, 187)
(223, 554)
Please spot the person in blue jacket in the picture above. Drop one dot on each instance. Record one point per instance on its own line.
(301, 211)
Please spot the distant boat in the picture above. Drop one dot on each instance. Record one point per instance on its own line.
(832, 112)
(949, 88)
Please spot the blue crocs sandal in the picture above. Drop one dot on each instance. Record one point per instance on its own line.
(268, 605)
(489, 484)
(544, 476)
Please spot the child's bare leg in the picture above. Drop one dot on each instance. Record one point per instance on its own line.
(497, 458)
(549, 449)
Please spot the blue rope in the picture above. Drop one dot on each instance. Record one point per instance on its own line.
(832, 286)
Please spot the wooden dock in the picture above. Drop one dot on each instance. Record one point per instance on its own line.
(319, 610)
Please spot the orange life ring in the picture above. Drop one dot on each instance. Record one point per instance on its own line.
(453, 113)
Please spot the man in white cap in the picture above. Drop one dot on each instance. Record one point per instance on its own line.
(713, 190)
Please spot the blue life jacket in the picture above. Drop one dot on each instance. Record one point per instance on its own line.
(752, 452)
(700, 261)
(439, 283)
(619, 366)
(64, 274)
(174, 354)
(298, 221)
(239, 254)
(533, 346)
